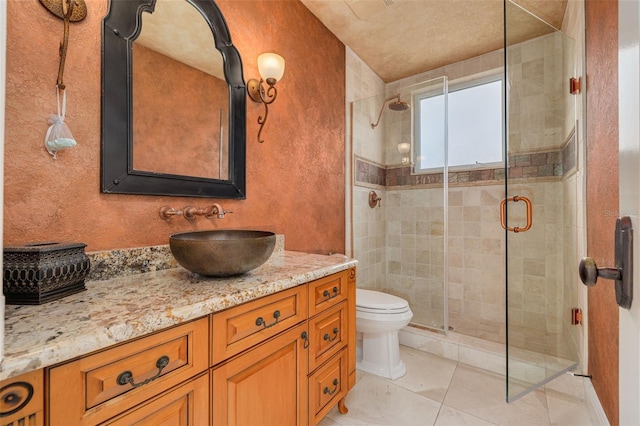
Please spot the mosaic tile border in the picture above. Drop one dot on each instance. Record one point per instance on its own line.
(370, 173)
(535, 165)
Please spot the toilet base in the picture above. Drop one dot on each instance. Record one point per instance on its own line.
(379, 354)
(393, 373)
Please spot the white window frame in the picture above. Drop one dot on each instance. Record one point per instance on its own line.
(457, 85)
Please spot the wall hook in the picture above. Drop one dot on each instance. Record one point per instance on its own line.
(69, 11)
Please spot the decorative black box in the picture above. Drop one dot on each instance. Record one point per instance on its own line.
(38, 273)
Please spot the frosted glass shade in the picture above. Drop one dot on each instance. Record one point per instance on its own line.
(404, 148)
(271, 65)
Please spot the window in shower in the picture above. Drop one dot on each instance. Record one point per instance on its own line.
(475, 126)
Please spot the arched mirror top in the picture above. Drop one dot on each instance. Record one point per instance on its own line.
(133, 165)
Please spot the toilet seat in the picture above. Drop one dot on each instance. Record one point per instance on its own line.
(379, 303)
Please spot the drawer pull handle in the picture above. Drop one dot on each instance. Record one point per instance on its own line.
(260, 321)
(326, 390)
(328, 295)
(126, 377)
(306, 339)
(335, 334)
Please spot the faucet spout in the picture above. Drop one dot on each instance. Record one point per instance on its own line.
(217, 210)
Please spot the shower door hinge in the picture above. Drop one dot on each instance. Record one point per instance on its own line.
(576, 316)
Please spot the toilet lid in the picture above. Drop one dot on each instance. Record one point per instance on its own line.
(376, 301)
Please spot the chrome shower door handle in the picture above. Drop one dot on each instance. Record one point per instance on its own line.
(622, 273)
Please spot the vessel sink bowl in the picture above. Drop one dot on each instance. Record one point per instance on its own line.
(222, 253)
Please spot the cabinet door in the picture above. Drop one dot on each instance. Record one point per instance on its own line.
(266, 385)
(187, 405)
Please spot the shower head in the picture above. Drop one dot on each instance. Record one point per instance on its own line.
(397, 105)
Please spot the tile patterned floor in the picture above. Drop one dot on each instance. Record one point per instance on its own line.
(438, 391)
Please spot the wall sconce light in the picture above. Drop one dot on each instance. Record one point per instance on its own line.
(271, 68)
(404, 148)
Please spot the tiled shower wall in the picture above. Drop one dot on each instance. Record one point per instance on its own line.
(369, 241)
(476, 254)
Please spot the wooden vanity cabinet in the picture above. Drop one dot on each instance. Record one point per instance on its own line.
(22, 400)
(286, 359)
(267, 372)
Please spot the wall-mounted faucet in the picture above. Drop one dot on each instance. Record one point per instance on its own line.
(167, 213)
(190, 212)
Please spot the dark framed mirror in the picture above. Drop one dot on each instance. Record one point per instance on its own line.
(173, 101)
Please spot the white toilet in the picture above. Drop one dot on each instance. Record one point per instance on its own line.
(379, 317)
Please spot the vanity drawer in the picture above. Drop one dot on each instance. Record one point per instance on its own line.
(327, 292)
(327, 386)
(88, 390)
(187, 405)
(246, 325)
(328, 333)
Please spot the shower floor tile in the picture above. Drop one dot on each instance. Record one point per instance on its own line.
(438, 391)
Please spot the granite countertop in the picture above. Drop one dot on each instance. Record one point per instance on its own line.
(123, 308)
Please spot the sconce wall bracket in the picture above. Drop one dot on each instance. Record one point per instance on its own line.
(257, 93)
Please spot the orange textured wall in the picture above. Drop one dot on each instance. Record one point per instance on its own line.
(601, 49)
(295, 180)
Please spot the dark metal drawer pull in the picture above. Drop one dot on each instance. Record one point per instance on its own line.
(326, 390)
(335, 334)
(126, 377)
(306, 339)
(328, 295)
(260, 321)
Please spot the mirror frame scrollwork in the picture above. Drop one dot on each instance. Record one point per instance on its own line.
(121, 27)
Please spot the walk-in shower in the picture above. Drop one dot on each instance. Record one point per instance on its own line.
(437, 240)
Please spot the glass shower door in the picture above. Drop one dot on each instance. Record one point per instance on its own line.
(539, 210)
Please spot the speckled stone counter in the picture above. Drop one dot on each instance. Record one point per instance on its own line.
(119, 309)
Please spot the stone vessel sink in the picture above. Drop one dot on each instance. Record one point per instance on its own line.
(222, 253)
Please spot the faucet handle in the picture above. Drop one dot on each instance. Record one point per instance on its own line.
(190, 213)
(167, 213)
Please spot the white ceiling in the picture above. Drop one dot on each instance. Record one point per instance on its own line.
(400, 38)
